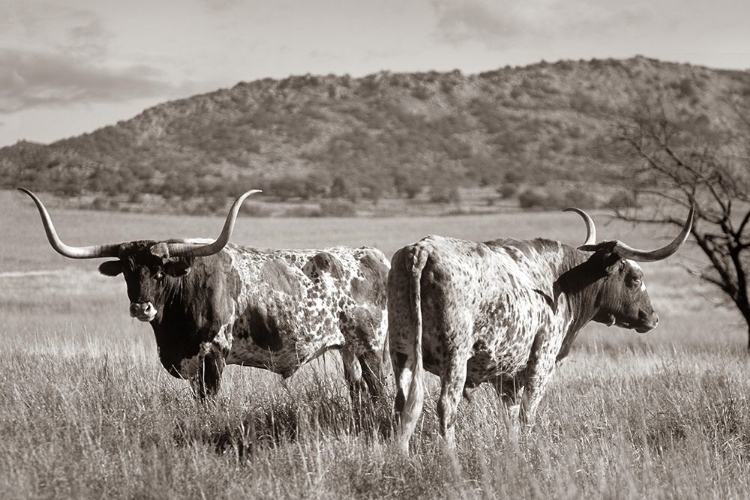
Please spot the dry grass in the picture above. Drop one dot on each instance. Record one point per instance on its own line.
(86, 411)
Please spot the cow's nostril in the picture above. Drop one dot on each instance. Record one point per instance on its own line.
(647, 318)
(136, 309)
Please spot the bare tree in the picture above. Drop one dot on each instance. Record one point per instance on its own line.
(679, 161)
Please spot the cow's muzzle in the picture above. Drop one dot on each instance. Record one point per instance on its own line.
(645, 323)
(143, 311)
(648, 322)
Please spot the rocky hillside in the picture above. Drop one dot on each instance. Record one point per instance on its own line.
(386, 135)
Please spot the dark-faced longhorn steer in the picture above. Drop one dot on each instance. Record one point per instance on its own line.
(214, 303)
(504, 311)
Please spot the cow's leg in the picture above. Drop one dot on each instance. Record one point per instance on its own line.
(205, 379)
(510, 392)
(453, 380)
(371, 364)
(534, 393)
(403, 372)
(402, 375)
(353, 375)
(537, 375)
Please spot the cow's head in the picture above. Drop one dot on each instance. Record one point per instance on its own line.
(150, 271)
(150, 268)
(620, 296)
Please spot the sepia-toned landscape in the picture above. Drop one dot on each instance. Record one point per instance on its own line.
(436, 249)
(87, 411)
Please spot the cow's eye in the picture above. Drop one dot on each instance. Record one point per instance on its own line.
(159, 275)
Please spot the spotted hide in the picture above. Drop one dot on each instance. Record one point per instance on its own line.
(213, 303)
(504, 312)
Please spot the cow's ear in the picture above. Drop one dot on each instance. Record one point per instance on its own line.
(612, 263)
(605, 254)
(111, 268)
(177, 268)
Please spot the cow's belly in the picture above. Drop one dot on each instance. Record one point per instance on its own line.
(499, 349)
(503, 339)
(505, 361)
(486, 358)
(284, 331)
(284, 360)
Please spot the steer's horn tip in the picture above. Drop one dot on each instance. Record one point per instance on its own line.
(247, 193)
(241, 198)
(30, 194)
(576, 210)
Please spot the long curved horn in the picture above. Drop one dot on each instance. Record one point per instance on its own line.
(90, 252)
(193, 250)
(628, 252)
(590, 227)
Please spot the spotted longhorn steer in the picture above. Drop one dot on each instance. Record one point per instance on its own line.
(504, 311)
(214, 303)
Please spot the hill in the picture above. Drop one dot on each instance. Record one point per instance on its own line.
(386, 135)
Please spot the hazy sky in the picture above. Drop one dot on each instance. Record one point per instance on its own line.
(71, 66)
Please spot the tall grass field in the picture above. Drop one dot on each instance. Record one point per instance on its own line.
(87, 411)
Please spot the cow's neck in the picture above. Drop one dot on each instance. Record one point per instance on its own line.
(194, 296)
(579, 280)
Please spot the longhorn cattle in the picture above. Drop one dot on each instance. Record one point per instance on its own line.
(211, 303)
(504, 311)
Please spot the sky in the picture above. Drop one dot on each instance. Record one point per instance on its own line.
(71, 66)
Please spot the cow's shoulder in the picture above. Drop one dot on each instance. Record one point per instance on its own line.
(369, 282)
(324, 262)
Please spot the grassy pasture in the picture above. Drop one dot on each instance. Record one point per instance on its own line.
(87, 411)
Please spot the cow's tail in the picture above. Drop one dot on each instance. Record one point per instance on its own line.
(415, 398)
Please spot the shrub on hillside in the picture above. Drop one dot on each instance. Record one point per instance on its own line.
(372, 190)
(104, 203)
(447, 85)
(342, 188)
(534, 198)
(581, 198)
(296, 186)
(539, 198)
(685, 88)
(406, 185)
(421, 92)
(514, 176)
(444, 193)
(507, 190)
(583, 103)
(337, 208)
